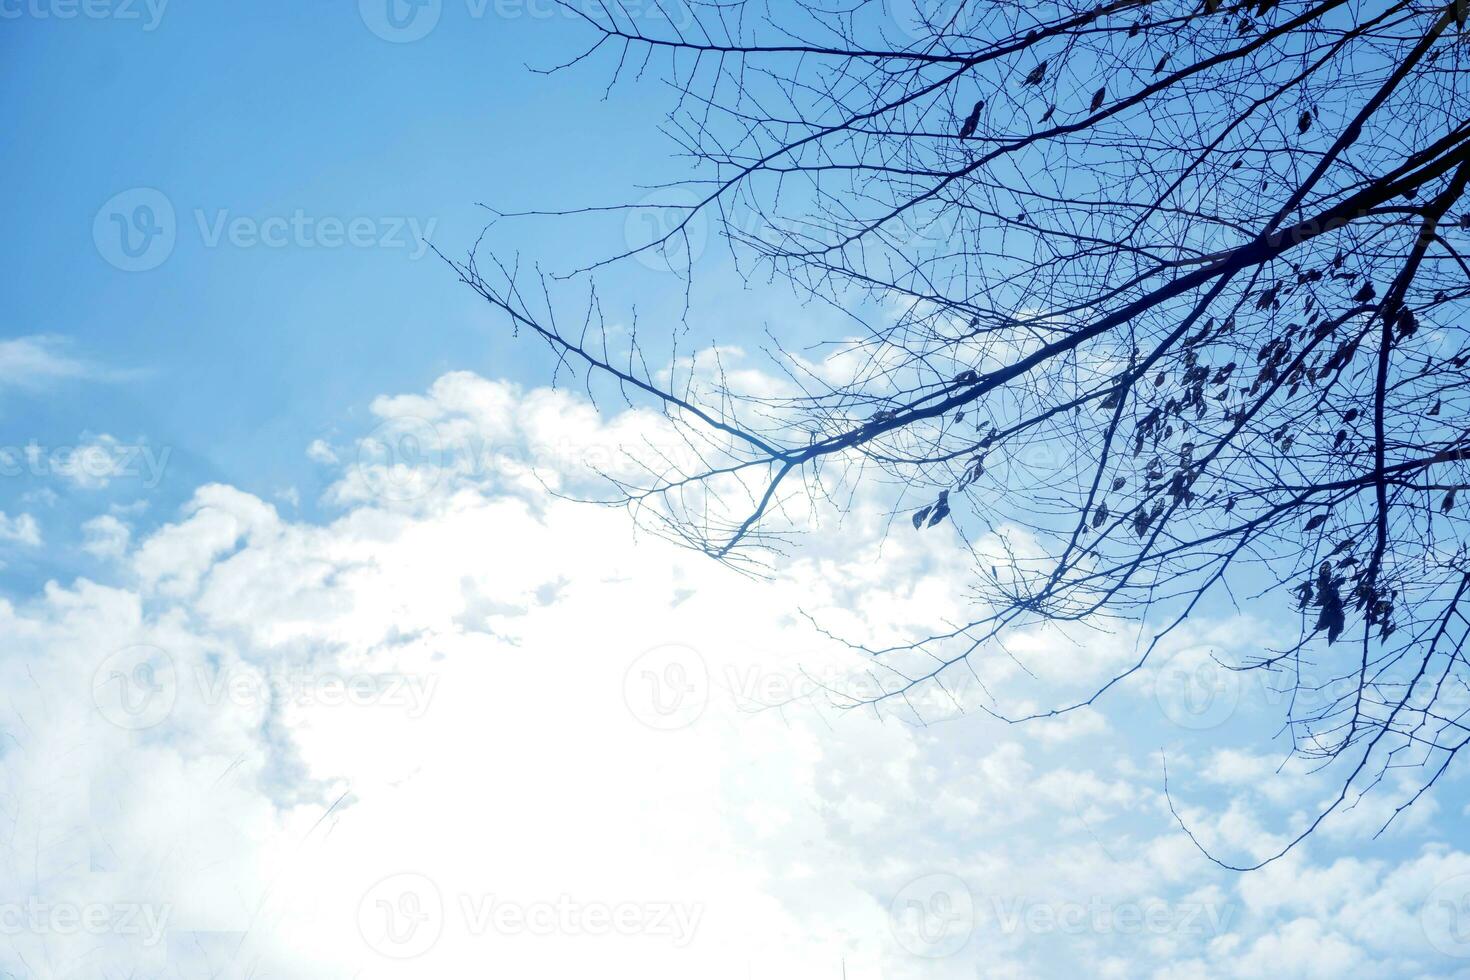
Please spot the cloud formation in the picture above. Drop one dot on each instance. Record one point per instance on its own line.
(38, 360)
(468, 728)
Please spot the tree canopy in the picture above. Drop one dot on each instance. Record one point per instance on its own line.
(1176, 290)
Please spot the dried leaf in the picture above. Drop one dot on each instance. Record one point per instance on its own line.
(972, 121)
(941, 508)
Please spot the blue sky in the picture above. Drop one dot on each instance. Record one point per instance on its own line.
(239, 355)
(243, 531)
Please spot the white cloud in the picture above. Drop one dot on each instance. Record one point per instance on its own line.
(20, 529)
(105, 536)
(462, 702)
(320, 452)
(41, 359)
(1303, 948)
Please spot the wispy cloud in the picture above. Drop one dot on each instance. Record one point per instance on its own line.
(39, 360)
